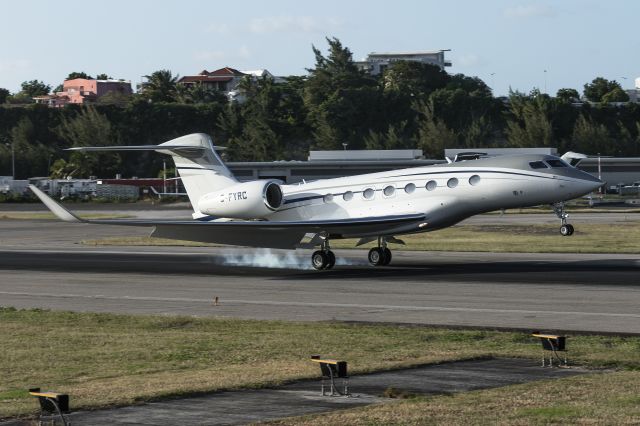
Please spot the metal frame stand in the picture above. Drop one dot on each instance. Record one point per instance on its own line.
(332, 384)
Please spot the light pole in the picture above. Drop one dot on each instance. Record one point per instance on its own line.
(164, 176)
(545, 81)
(493, 89)
(599, 175)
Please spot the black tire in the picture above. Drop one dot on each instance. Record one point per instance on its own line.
(387, 256)
(565, 230)
(376, 256)
(319, 260)
(331, 260)
(570, 229)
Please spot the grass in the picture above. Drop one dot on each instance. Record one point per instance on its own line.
(49, 215)
(621, 237)
(107, 359)
(607, 399)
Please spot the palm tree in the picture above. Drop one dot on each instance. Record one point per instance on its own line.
(160, 86)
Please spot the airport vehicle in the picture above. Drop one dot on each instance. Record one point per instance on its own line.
(372, 207)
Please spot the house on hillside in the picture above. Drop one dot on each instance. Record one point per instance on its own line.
(83, 90)
(226, 80)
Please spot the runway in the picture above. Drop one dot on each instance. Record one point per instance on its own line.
(529, 291)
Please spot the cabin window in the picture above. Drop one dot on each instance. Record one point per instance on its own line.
(474, 180)
(409, 188)
(431, 185)
(452, 183)
(538, 165)
(368, 193)
(347, 196)
(328, 198)
(389, 191)
(556, 163)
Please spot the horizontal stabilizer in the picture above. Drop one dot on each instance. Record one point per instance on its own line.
(172, 148)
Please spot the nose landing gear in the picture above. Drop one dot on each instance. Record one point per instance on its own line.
(566, 229)
(381, 255)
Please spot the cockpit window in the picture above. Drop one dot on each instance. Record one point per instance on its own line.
(556, 163)
(538, 165)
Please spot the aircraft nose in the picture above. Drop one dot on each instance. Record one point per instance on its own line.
(591, 182)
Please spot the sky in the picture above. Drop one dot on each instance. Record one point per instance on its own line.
(509, 44)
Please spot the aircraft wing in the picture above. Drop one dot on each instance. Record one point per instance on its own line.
(269, 234)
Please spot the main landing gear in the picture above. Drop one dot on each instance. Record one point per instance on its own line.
(566, 229)
(323, 258)
(381, 255)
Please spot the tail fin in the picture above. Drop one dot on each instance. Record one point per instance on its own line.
(199, 166)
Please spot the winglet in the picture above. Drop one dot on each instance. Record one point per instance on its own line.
(55, 208)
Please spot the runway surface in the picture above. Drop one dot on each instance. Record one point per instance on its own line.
(42, 265)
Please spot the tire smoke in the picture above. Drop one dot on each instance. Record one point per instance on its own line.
(277, 259)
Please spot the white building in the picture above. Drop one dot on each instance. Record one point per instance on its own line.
(634, 94)
(376, 63)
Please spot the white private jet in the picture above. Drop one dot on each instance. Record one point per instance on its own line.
(374, 206)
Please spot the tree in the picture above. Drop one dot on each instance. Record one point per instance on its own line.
(160, 86)
(531, 123)
(568, 95)
(414, 79)
(342, 102)
(30, 155)
(591, 138)
(35, 88)
(478, 133)
(599, 87)
(90, 128)
(102, 77)
(4, 94)
(198, 93)
(395, 137)
(433, 134)
(81, 74)
(616, 95)
(114, 97)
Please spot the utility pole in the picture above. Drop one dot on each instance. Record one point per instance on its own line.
(13, 161)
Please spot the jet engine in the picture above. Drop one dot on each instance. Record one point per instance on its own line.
(248, 200)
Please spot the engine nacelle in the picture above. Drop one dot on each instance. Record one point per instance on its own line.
(248, 200)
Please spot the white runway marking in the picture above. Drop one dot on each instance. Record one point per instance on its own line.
(322, 304)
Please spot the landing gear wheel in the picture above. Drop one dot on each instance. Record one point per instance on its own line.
(566, 230)
(323, 259)
(319, 260)
(332, 260)
(387, 256)
(377, 256)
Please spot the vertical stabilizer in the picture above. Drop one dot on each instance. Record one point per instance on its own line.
(200, 168)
